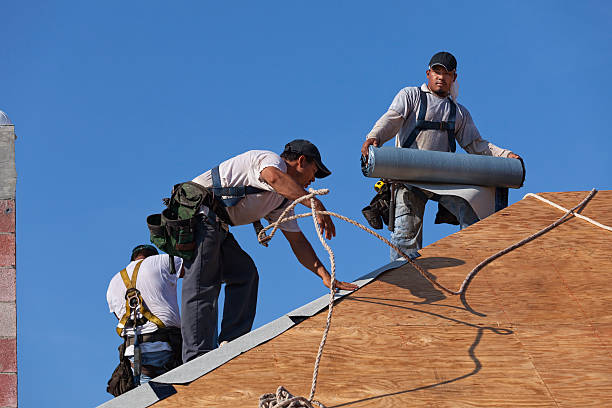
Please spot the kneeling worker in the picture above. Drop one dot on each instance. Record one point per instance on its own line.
(147, 289)
(253, 185)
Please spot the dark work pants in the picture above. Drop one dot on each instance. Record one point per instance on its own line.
(218, 259)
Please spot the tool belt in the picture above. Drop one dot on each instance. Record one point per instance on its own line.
(173, 231)
(151, 371)
(170, 335)
(122, 379)
(377, 212)
(158, 335)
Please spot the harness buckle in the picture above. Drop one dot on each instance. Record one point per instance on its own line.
(132, 295)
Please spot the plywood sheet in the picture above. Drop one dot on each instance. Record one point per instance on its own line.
(535, 329)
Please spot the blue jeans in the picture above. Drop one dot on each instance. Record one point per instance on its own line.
(155, 359)
(409, 209)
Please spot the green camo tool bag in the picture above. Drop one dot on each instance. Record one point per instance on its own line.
(173, 231)
(173, 236)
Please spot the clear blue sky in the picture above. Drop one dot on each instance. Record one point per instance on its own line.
(114, 102)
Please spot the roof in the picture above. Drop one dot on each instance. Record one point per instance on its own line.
(535, 328)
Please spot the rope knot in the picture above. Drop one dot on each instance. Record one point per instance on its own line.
(263, 239)
(284, 399)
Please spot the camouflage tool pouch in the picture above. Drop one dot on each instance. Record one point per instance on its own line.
(173, 231)
(174, 237)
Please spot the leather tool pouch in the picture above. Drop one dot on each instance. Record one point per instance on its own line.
(122, 379)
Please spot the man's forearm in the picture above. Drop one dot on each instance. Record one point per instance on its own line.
(305, 254)
(386, 127)
(284, 185)
(486, 148)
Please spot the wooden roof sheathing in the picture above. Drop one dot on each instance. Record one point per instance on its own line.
(535, 329)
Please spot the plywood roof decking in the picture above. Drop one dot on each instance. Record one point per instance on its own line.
(536, 329)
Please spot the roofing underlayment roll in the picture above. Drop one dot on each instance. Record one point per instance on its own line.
(441, 167)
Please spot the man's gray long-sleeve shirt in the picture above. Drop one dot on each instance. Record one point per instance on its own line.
(400, 120)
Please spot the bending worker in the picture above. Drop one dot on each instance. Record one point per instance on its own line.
(148, 282)
(253, 185)
(448, 122)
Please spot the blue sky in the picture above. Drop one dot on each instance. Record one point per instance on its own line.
(115, 102)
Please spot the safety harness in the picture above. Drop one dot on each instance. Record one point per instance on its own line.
(422, 124)
(230, 196)
(134, 304)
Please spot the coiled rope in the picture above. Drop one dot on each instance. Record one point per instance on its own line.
(284, 399)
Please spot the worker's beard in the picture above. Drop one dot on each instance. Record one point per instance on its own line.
(454, 90)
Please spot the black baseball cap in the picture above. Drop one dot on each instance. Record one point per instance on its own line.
(446, 59)
(301, 146)
(141, 248)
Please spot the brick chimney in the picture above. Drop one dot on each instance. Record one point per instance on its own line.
(8, 297)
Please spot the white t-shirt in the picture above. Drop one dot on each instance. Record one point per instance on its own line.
(245, 170)
(158, 289)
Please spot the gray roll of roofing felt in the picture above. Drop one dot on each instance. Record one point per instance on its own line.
(442, 167)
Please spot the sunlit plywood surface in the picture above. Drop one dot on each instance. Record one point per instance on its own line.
(535, 329)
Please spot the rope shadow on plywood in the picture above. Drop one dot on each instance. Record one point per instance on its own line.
(480, 331)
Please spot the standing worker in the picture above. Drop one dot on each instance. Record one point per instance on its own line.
(146, 289)
(429, 118)
(253, 185)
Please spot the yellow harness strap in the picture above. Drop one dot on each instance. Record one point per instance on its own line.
(144, 311)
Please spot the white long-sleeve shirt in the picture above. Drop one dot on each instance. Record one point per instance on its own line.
(400, 120)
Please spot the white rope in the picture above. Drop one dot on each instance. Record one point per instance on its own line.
(332, 292)
(283, 398)
(587, 219)
(281, 219)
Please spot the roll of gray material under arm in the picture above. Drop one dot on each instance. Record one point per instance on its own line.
(441, 167)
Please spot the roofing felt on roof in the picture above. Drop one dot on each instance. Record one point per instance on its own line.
(535, 328)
